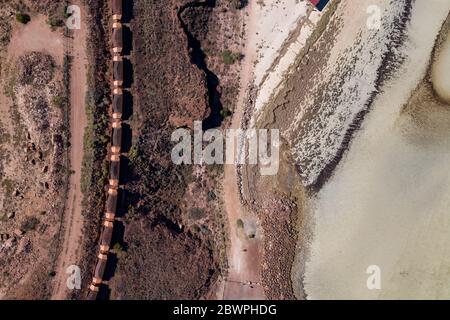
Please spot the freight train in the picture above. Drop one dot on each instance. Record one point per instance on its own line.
(115, 150)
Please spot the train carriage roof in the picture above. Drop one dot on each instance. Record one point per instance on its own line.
(106, 237)
(118, 70)
(117, 37)
(114, 170)
(118, 103)
(117, 137)
(92, 296)
(117, 7)
(100, 268)
(111, 204)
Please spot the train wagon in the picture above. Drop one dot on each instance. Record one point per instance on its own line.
(117, 106)
(118, 71)
(100, 269)
(116, 143)
(117, 37)
(319, 4)
(92, 295)
(111, 205)
(117, 10)
(114, 171)
(93, 292)
(105, 241)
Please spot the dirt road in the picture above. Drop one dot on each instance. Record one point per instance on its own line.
(73, 219)
(244, 253)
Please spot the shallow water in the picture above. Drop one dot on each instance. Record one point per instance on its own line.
(441, 72)
(388, 201)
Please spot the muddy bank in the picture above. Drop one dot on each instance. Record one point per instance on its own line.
(278, 202)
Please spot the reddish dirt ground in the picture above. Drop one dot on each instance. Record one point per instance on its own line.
(244, 274)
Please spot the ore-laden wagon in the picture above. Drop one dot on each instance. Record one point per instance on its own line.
(105, 241)
(117, 107)
(118, 71)
(93, 292)
(117, 10)
(114, 171)
(111, 204)
(100, 269)
(116, 143)
(117, 37)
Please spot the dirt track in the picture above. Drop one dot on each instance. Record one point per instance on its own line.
(243, 253)
(73, 219)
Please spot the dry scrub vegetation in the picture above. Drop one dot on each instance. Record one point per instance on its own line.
(33, 162)
(174, 233)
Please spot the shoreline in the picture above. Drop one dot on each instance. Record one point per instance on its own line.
(276, 278)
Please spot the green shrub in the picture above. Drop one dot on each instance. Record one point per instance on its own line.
(55, 22)
(240, 223)
(225, 113)
(66, 13)
(197, 213)
(229, 57)
(118, 247)
(195, 228)
(23, 18)
(240, 4)
(59, 102)
(29, 224)
(211, 196)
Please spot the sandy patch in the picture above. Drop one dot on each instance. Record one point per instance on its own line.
(37, 36)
